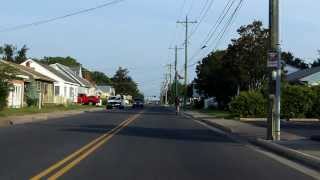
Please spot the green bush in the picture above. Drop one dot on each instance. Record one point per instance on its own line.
(296, 101)
(315, 109)
(248, 104)
(4, 91)
(32, 102)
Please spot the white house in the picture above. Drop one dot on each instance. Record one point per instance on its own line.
(105, 91)
(65, 88)
(85, 86)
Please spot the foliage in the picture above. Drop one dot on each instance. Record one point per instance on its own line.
(241, 67)
(31, 95)
(124, 84)
(67, 61)
(248, 104)
(7, 73)
(21, 55)
(11, 53)
(296, 101)
(293, 61)
(100, 78)
(315, 110)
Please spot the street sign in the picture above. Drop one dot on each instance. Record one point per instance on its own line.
(272, 60)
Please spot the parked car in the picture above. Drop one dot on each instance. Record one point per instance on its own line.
(94, 100)
(84, 99)
(115, 102)
(138, 103)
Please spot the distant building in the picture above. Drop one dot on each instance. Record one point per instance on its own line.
(310, 76)
(105, 91)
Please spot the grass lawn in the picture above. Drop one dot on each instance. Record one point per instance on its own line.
(32, 110)
(217, 113)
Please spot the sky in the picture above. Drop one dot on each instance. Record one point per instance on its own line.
(137, 34)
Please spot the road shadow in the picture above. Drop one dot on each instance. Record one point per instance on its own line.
(202, 135)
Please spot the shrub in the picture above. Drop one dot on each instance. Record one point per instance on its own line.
(315, 109)
(4, 91)
(297, 101)
(32, 102)
(248, 104)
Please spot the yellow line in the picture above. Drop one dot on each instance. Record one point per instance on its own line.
(90, 151)
(76, 153)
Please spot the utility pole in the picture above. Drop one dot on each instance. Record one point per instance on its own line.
(175, 69)
(186, 22)
(274, 63)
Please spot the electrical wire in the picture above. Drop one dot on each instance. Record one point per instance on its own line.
(37, 23)
(203, 15)
(224, 29)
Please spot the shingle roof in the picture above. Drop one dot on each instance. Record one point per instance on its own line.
(296, 76)
(59, 74)
(68, 71)
(29, 71)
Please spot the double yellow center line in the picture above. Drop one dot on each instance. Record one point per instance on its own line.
(76, 157)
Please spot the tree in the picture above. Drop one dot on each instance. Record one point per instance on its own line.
(289, 58)
(124, 84)
(9, 51)
(241, 67)
(100, 78)
(7, 73)
(67, 61)
(21, 55)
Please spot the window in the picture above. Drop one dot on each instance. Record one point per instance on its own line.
(57, 90)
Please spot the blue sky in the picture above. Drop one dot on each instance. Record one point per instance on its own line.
(136, 34)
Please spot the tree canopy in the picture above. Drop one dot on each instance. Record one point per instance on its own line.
(124, 84)
(12, 54)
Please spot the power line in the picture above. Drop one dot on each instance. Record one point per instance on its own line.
(224, 29)
(203, 14)
(215, 27)
(37, 23)
(230, 20)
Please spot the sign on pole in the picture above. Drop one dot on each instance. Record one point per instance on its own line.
(273, 60)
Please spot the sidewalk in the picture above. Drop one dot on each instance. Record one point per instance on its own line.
(30, 118)
(293, 146)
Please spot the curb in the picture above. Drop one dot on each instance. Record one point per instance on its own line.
(15, 120)
(306, 159)
(223, 128)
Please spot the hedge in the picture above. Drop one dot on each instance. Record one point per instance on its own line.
(248, 104)
(4, 91)
(297, 101)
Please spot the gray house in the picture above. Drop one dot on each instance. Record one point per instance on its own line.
(309, 76)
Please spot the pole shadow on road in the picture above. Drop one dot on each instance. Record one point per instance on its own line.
(204, 135)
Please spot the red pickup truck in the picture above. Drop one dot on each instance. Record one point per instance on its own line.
(84, 99)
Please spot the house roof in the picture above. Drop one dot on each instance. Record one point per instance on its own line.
(296, 76)
(29, 72)
(105, 88)
(72, 75)
(59, 74)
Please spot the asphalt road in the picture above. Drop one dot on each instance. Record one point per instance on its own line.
(145, 145)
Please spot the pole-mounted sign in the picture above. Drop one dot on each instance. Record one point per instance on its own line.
(273, 60)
